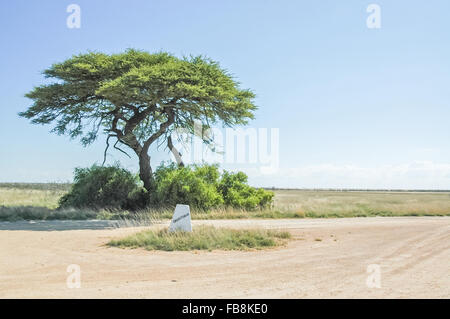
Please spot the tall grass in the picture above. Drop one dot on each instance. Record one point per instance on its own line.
(17, 213)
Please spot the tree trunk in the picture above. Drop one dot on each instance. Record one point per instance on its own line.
(145, 171)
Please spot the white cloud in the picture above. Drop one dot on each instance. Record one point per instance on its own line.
(414, 175)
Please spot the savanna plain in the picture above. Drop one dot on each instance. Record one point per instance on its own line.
(334, 237)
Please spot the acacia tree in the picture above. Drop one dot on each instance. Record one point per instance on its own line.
(136, 99)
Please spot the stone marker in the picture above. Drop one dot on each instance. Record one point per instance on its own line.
(181, 219)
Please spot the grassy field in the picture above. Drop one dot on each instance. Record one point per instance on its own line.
(40, 195)
(204, 238)
(348, 203)
(38, 201)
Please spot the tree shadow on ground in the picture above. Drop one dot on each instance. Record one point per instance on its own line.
(58, 225)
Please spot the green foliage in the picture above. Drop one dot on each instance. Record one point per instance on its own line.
(104, 187)
(202, 187)
(191, 185)
(238, 194)
(204, 238)
(137, 98)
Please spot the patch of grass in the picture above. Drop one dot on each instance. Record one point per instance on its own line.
(204, 238)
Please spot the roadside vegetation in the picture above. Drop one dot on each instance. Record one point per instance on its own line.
(112, 192)
(203, 187)
(204, 238)
(39, 201)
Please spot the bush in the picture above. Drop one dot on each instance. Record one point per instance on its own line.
(202, 187)
(104, 187)
(193, 185)
(236, 192)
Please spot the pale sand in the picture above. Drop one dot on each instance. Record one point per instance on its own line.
(413, 253)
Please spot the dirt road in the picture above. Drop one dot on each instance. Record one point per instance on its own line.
(327, 259)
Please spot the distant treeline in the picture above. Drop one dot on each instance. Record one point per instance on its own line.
(66, 187)
(38, 186)
(358, 190)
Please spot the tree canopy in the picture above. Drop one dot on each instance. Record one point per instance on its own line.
(137, 98)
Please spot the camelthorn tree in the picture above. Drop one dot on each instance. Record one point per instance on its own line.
(136, 99)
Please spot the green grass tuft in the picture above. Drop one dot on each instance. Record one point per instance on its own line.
(204, 238)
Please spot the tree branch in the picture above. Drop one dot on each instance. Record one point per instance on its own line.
(106, 149)
(174, 151)
(115, 146)
(162, 129)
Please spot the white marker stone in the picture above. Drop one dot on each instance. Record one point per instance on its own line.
(181, 219)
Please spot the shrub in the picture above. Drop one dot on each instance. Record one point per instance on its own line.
(191, 185)
(202, 187)
(238, 194)
(104, 187)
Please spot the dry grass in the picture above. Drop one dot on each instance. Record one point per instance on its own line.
(31, 199)
(349, 204)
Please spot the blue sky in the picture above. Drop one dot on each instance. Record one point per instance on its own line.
(355, 107)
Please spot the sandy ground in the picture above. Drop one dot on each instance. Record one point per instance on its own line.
(413, 255)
